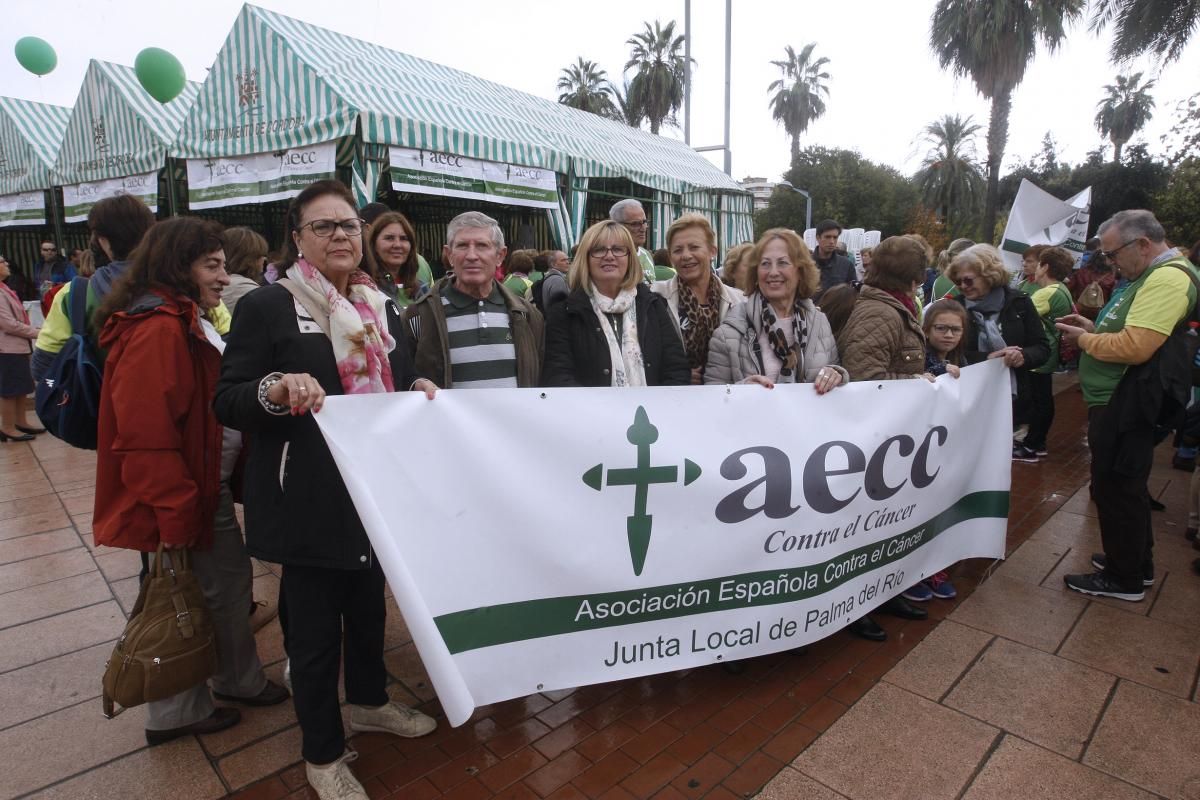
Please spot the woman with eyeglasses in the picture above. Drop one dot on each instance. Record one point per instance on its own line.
(1001, 323)
(322, 329)
(245, 258)
(612, 330)
(699, 301)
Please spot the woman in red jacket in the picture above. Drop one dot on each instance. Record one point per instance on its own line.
(163, 461)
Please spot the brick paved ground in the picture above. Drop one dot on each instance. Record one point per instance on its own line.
(696, 733)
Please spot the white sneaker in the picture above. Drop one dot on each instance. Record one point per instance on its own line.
(335, 781)
(392, 717)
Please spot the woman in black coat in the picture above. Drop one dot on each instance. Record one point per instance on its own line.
(612, 330)
(993, 307)
(324, 329)
(1001, 323)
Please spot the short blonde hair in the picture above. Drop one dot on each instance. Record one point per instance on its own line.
(578, 275)
(806, 268)
(693, 221)
(984, 260)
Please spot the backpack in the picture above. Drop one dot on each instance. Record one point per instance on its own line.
(535, 295)
(1091, 300)
(67, 399)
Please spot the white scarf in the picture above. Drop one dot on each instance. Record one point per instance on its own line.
(626, 356)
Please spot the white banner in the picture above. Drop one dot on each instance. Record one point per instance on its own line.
(24, 208)
(634, 531)
(258, 178)
(449, 175)
(79, 198)
(1038, 217)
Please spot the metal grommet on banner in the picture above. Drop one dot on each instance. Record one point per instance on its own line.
(543, 395)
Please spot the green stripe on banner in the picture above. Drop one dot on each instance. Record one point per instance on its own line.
(1013, 246)
(283, 183)
(554, 616)
(22, 214)
(441, 181)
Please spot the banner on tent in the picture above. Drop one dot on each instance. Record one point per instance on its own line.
(79, 198)
(626, 534)
(449, 175)
(24, 208)
(1038, 217)
(258, 178)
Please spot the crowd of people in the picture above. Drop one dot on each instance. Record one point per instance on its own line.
(350, 307)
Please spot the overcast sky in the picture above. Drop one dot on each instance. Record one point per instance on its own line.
(885, 86)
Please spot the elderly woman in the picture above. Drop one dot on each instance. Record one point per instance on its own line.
(16, 381)
(611, 330)
(698, 300)
(393, 243)
(245, 258)
(323, 329)
(164, 462)
(737, 264)
(1001, 322)
(882, 339)
(777, 335)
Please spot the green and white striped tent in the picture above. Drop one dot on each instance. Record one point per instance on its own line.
(30, 135)
(117, 139)
(281, 84)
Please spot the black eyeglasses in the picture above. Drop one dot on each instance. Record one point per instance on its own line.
(639, 224)
(325, 227)
(964, 281)
(1111, 254)
(955, 329)
(619, 251)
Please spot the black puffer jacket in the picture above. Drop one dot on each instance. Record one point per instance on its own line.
(1019, 325)
(577, 351)
(298, 510)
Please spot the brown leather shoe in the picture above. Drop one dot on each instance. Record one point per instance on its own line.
(219, 720)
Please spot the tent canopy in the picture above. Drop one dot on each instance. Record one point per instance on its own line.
(279, 83)
(116, 128)
(30, 135)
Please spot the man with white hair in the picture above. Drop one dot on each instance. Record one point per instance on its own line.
(470, 331)
(1135, 372)
(629, 212)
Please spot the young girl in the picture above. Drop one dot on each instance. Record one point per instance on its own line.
(944, 324)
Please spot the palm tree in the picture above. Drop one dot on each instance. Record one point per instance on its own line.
(1160, 27)
(797, 101)
(625, 110)
(950, 179)
(1124, 111)
(992, 42)
(657, 88)
(585, 86)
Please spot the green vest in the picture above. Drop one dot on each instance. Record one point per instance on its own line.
(1060, 305)
(1097, 378)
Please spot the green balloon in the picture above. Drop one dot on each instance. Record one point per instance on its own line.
(35, 55)
(160, 74)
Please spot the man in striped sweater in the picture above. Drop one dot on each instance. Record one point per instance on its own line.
(470, 331)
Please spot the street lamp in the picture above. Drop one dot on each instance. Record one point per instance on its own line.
(807, 202)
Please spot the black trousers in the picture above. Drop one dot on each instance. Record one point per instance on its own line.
(1041, 409)
(1120, 469)
(329, 610)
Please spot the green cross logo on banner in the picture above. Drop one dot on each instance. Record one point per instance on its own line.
(641, 434)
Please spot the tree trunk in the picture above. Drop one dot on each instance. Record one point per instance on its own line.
(795, 149)
(997, 138)
(1117, 146)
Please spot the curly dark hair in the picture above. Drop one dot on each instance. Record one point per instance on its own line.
(163, 261)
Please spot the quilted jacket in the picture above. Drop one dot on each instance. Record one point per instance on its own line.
(882, 341)
(734, 352)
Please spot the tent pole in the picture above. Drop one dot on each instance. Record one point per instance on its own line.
(687, 72)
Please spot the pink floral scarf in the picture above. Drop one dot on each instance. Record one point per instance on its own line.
(357, 327)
